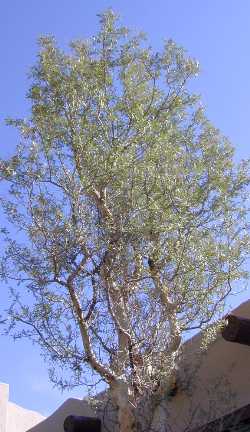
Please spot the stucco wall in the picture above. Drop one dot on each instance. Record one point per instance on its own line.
(219, 383)
(54, 423)
(20, 419)
(14, 418)
(4, 397)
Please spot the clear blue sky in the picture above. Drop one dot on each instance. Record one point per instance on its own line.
(216, 32)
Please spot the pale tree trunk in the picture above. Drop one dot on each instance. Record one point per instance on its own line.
(126, 411)
(126, 419)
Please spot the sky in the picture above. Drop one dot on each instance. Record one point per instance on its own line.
(216, 32)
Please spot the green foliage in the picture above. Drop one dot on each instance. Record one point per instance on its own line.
(123, 186)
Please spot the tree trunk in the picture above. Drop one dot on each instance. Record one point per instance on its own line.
(126, 411)
(126, 419)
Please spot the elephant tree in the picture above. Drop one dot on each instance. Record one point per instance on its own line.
(130, 214)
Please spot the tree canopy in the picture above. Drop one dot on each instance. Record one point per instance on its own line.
(130, 213)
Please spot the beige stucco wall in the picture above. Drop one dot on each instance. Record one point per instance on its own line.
(20, 419)
(4, 397)
(220, 383)
(54, 423)
(14, 418)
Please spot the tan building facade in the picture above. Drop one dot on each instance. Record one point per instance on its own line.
(14, 418)
(215, 384)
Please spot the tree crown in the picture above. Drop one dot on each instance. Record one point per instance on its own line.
(131, 208)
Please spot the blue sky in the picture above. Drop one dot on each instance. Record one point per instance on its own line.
(216, 32)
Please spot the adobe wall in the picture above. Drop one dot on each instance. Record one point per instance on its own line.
(54, 423)
(219, 383)
(14, 418)
(20, 419)
(4, 397)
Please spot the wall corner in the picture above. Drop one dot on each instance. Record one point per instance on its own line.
(4, 398)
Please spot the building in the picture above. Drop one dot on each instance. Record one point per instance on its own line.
(14, 418)
(212, 393)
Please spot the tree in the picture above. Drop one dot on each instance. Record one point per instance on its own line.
(130, 215)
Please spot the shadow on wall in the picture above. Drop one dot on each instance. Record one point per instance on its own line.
(69, 407)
